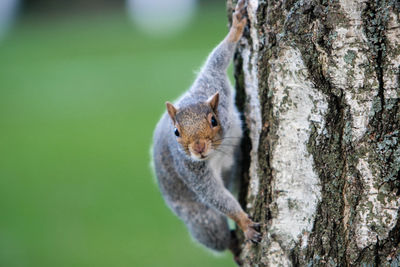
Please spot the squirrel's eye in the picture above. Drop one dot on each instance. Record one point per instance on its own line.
(214, 122)
(176, 132)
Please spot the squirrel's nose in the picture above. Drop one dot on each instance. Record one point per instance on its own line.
(199, 146)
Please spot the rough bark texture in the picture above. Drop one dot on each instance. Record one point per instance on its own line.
(319, 85)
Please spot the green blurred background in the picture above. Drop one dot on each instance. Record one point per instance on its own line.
(80, 93)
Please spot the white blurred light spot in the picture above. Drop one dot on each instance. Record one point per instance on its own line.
(8, 10)
(161, 17)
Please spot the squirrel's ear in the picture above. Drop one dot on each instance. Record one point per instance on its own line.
(171, 110)
(213, 101)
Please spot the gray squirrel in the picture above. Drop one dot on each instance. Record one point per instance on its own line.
(196, 151)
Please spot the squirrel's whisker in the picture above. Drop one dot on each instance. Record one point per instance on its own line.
(221, 151)
(227, 145)
(219, 143)
(224, 142)
(229, 137)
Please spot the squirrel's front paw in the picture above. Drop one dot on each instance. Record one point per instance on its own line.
(239, 21)
(239, 18)
(253, 232)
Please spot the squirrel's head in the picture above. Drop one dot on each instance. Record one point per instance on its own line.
(197, 127)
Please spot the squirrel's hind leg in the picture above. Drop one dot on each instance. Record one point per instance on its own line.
(206, 225)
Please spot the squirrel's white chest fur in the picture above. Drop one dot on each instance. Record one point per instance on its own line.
(225, 157)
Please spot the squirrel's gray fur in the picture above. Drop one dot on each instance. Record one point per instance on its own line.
(196, 191)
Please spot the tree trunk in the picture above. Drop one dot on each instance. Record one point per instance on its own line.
(319, 84)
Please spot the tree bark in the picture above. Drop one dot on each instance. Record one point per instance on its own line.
(318, 83)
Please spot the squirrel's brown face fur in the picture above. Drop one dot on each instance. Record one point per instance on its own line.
(197, 127)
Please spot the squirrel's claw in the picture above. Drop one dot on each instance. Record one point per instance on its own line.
(257, 226)
(252, 233)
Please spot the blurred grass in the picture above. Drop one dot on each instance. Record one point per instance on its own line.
(79, 98)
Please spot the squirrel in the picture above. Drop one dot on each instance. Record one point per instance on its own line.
(196, 151)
